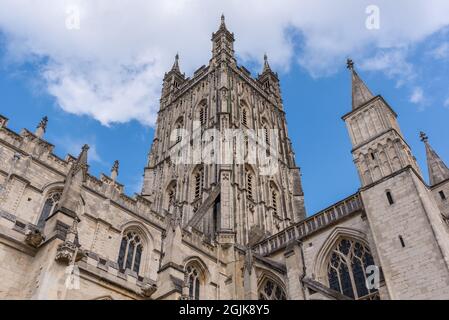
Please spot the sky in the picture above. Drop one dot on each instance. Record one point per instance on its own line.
(95, 69)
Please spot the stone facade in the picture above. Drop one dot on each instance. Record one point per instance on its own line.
(218, 229)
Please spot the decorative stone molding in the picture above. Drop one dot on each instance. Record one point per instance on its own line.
(68, 252)
(148, 288)
(34, 237)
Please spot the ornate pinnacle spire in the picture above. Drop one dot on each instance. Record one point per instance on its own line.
(222, 23)
(114, 170)
(176, 64)
(41, 127)
(81, 162)
(360, 92)
(438, 171)
(266, 65)
(222, 27)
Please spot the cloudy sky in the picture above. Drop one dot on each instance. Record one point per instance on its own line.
(95, 68)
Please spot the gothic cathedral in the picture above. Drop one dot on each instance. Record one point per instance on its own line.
(221, 212)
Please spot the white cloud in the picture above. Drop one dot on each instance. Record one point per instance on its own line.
(441, 51)
(111, 68)
(393, 63)
(417, 95)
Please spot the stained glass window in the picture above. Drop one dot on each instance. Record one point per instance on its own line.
(130, 253)
(199, 176)
(244, 117)
(49, 206)
(193, 280)
(270, 290)
(347, 269)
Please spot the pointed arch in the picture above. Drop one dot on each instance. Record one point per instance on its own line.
(196, 275)
(178, 126)
(197, 182)
(336, 234)
(245, 115)
(135, 248)
(170, 195)
(201, 112)
(49, 204)
(270, 287)
(274, 196)
(250, 181)
(342, 261)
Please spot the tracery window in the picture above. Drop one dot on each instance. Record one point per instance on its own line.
(203, 115)
(198, 179)
(49, 206)
(193, 282)
(178, 127)
(171, 195)
(347, 268)
(270, 290)
(244, 117)
(130, 253)
(249, 183)
(274, 198)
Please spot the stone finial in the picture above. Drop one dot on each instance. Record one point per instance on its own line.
(114, 170)
(423, 137)
(81, 163)
(350, 64)
(266, 65)
(176, 64)
(360, 92)
(41, 127)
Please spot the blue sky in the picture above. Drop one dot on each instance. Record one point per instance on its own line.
(88, 100)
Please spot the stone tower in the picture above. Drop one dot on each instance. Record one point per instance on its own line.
(405, 222)
(209, 122)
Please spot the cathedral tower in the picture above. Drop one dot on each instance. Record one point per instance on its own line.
(211, 121)
(405, 222)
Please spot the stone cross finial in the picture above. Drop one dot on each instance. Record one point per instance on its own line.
(41, 127)
(114, 170)
(423, 137)
(43, 123)
(222, 18)
(350, 64)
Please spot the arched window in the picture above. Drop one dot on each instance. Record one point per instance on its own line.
(49, 206)
(249, 182)
(193, 282)
(270, 290)
(245, 115)
(203, 115)
(274, 197)
(130, 253)
(178, 126)
(198, 177)
(347, 268)
(266, 136)
(171, 195)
